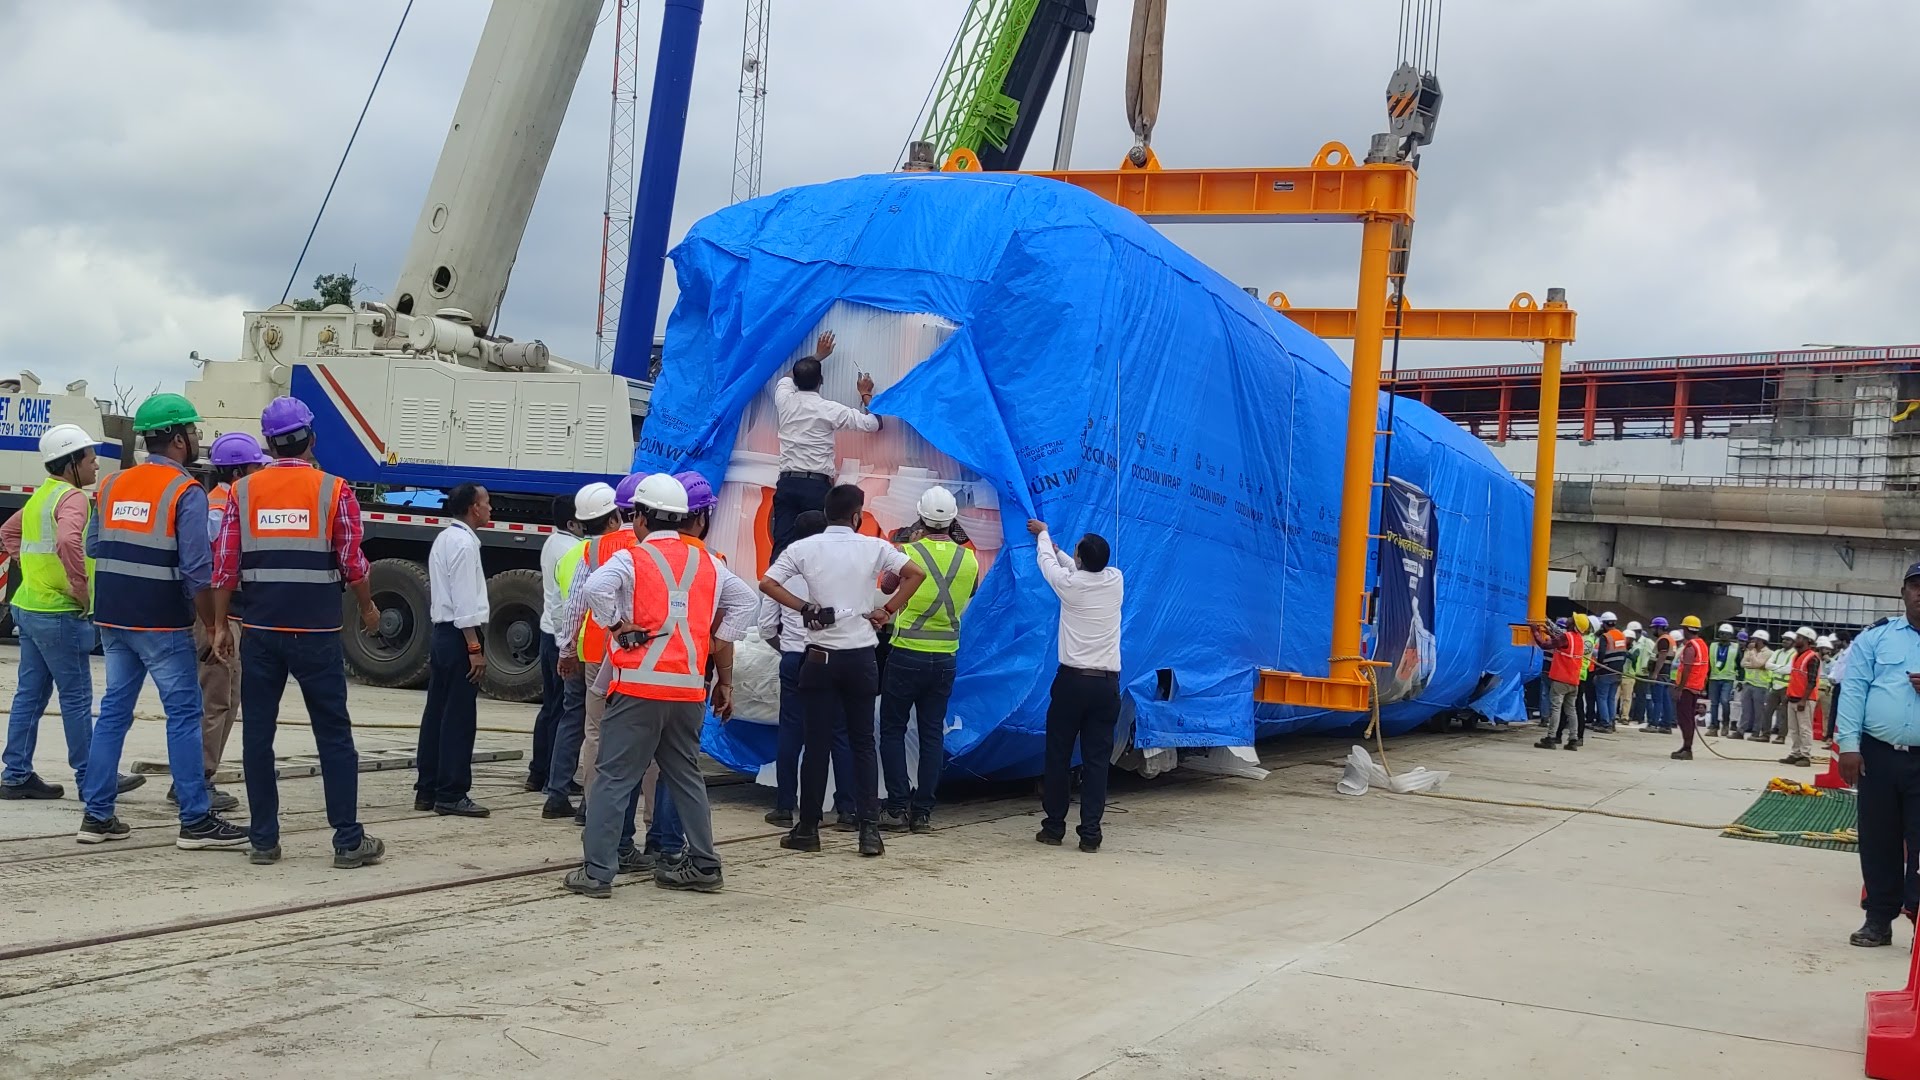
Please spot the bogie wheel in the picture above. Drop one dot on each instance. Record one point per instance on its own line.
(397, 655)
(514, 599)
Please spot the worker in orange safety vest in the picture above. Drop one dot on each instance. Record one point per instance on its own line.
(1568, 651)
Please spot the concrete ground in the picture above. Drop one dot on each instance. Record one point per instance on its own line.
(1229, 929)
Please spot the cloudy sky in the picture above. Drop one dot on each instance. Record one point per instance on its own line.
(1701, 175)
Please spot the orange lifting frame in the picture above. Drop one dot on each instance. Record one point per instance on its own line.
(1552, 325)
(1335, 188)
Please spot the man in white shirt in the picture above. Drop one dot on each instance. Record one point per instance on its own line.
(456, 661)
(786, 630)
(839, 674)
(808, 423)
(1085, 701)
(553, 610)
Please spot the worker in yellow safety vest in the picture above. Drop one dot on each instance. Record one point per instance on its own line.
(1723, 674)
(48, 536)
(596, 509)
(920, 670)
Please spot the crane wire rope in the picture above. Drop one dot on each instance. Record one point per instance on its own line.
(907, 146)
(364, 106)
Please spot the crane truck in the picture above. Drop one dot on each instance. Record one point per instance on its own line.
(419, 391)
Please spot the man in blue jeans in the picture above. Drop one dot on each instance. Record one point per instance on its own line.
(153, 568)
(918, 680)
(290, 539)
(786, 631)
(49, 537)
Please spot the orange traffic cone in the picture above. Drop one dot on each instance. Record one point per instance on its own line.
(1831, 779)
(1893, 1029)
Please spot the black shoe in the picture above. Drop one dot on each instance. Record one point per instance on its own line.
(369, 852)
(894, 820)
(263, 856)
(1803, 761)
(31, 788)
(577, 881)
(1681, 755)
(221, 802)
(1573, 744)
(1790, 759)
(558, 806)
(678, 872)
(95, 831)
(1872, 935)
(423, 802)
(921, 823)
(580, 816)
(1736, 736)
(575, 789)
(210, 833)
(845, 823)
(870, 842)
(129, 781)
(1089, 846)
(780, 817)
(533, 786)
(801, 840)
(1548, 743)
(462, 807)
(637, 861)
(1045, 837)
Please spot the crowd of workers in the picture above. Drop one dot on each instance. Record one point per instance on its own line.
(1597, 674)
(223, 593)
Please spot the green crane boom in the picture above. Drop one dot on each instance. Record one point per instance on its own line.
(970, 108)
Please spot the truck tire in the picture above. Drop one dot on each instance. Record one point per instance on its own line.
(514, 600)
(398, 656)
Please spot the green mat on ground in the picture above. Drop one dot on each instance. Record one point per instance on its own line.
(1780, 813)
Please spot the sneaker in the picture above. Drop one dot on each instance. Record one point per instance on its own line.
(921, 823)
(637, 861)
(210, 833)
(1872, 935)
(843, 822)
(1052, 838)
(1682, 754)
(221, 802)
(369, 852)
(31, 788)
(1089, 846)
(423, 802)
(894, 820)
(577, 881)
(679, 872)
(799, 840)
(780, 817)
(870, 842)
(95, 831)
(558, 806)
(263, 856)
(461, 807)
(129, 781)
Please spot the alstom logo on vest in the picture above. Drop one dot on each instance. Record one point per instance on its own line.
(282, 520)
(137, 513)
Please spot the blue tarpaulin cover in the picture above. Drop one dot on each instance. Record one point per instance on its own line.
(1104, 380)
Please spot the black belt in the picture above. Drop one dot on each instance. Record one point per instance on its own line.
(795, 474)
(1891, 746)
(1088, 673)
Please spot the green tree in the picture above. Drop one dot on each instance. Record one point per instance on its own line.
(333, 289)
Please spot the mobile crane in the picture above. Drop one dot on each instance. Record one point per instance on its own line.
(420, 391)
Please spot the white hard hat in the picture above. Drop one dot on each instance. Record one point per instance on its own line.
(1807, 632)
(1759, 635)
(1674, 634)
(661, 494)
(1631, 633)
(937, 506)
(1823, 642)
(1634, 627)
(1726, 628)
(63, 439)
(1608, 616)
(593, 501)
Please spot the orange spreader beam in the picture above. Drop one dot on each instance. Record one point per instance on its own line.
(1334, 188)
(1522, 320)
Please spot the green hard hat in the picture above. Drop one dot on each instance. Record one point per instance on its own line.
(162, 411)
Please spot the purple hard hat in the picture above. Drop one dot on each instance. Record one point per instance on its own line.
(285, 415)
(1563, 622)
(700, 494)
(623, 491)
(1659, 623)
(236, 448)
